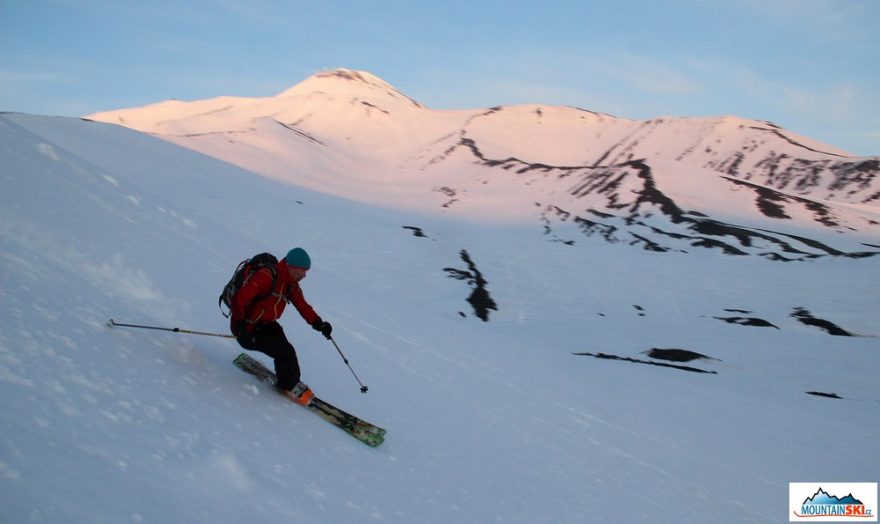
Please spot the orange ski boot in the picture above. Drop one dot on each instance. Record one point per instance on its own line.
(301, 394)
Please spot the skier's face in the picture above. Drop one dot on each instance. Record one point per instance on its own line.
(296, 273)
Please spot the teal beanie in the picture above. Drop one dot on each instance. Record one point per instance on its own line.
(297, 257)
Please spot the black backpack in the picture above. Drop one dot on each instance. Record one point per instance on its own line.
(241, 276)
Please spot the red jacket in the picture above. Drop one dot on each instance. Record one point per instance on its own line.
(271, 306)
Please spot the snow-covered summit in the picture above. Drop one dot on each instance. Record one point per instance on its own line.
(346, 82)
(359, 123)
(668, 184)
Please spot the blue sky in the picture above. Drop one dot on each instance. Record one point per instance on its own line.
(811, 66)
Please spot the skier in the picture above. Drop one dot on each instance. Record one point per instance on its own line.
(254, 314)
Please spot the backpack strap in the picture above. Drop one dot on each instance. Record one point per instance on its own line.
(261, 296)
(243, 273)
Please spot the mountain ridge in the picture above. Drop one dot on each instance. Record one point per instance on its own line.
(351, 134)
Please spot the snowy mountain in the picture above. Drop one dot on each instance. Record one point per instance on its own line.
(668, 184)
(528, 366)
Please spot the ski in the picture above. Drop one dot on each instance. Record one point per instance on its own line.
(362, 430)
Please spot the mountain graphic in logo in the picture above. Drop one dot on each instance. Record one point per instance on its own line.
(823, 497)
(825, 505)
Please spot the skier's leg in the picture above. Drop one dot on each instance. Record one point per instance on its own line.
(270, 340)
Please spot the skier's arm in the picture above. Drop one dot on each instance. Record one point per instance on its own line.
(299, 302)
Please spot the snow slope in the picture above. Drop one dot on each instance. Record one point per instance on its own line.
(497, 420)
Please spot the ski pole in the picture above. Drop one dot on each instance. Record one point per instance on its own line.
(113, 323)
(364, 388)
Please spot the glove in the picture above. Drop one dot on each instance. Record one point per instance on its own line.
(324, 327)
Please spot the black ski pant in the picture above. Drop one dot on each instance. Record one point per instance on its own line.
(269, 339)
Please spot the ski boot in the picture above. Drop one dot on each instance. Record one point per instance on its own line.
(301, 394)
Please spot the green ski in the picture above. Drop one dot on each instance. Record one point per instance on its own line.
(360, 429)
